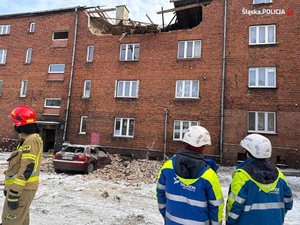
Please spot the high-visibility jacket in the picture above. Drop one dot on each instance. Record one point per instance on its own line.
(24, 165)
(258, 195)
(189, 192)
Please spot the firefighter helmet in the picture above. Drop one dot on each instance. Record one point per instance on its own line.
(197, 136)
(22, 115)
(259, 146)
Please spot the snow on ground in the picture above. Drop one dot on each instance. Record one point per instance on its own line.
(79, 200)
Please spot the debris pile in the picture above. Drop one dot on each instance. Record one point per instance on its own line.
(7, 144)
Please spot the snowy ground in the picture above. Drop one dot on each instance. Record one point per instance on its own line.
(79, 200)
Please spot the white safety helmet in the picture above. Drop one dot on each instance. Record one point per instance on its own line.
(196, 136)
(259, 146)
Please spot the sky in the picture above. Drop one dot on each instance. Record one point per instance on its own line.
(137, 8)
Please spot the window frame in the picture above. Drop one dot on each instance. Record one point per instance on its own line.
(5, 28)
(117, 86)
(185, 51)
(266, 122)
(84, 89)
(191, 89)
(24, 88)
(258, 3)
(28, 56)
(53, 107)
(82, 119)
(126, 52)
(90, 58)
(3, 56)
(266, 77)
(59, 39)
(181, 129)
(32, 27)
(49, 68)
(121, 127)
(266, 32)
(1, 87)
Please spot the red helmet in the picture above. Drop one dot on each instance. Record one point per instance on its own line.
(23, 115)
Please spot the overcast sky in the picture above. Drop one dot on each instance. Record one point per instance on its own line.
(137, 8)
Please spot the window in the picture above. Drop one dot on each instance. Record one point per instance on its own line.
(90, 53)
(1, 87)
(127, 89)
(187, 89)
(56, 68)
(261, 122)
(60, 35)
(3, 53)
(52, 102)
(129, 52)
(180, 127)
(265, 34)
(4, 29)
(262, 77)
(31, 27)
(83, 122)
(124, 127)
(23, 88)
(261, 1)
(87, 89)
(189, 49)
(28, 55)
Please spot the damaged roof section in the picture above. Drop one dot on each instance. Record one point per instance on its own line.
(101, 23)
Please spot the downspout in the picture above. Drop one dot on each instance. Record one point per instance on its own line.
(71, 73)
(165, 132)
(223, 82)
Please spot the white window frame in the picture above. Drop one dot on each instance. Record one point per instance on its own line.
(4, 29)
(86, 94)
(257, 2)
(184, 84)
(133, 52)
(3, 55)
(1, 87)
(181, 129)
(83, 119)
(60, 39)
(49, 69)
(32, 27)
(266, 77)
(266, 117)
(185, 46)
(90, 53)
(50, 106)
(24, 86)
(266, 34)
(124, 84)
(28, 55)
(122, 120)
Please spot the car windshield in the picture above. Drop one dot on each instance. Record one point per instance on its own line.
(73, 149)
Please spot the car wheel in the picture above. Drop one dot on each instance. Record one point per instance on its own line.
(57, 171)
(90, 168)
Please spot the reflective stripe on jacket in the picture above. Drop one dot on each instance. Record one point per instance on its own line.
(189, 201)
(24, 165)
(253, 203)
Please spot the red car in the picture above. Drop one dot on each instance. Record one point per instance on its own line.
(85, 158)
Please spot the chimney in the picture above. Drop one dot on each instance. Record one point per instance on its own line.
(122, 14)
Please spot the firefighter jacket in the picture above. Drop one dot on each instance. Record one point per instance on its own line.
(24, 165)
(258, 195)
(189, 192)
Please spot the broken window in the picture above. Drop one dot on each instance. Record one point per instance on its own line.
(262, 122)
(60, 35)
(129, 52)
(180, 127)
(189, 49)
(124, 127)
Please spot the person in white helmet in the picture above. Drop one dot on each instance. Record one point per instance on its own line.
(188, 189)
(259, 193)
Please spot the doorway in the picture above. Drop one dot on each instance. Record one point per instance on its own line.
(49, 139)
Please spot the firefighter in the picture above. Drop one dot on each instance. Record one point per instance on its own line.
(188, 189)
(22, 175)
(259, 193)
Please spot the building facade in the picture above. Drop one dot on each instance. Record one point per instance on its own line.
(234, 73)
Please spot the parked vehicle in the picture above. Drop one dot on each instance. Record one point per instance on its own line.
(85, 158)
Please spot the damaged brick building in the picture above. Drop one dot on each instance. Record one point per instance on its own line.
(135, 87)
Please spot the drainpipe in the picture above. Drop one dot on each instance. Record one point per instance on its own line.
(71, 73)
(165, 132)
(223, 82)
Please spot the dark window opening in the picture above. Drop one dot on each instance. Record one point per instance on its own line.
(281, 161)
(242, 157)
(60, 35)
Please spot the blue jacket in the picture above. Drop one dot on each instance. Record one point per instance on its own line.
(189, 192)
(258, 195)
